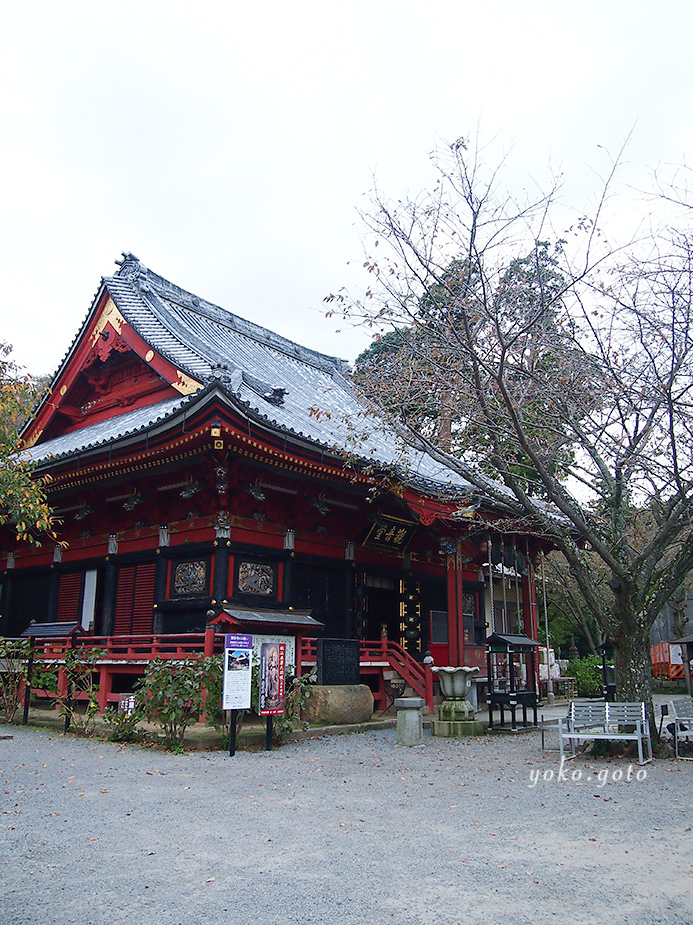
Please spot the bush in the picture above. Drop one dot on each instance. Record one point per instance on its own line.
(587, 672)
(216, 716)
(44, 676)
(80, 665)
(123, 725)
(14, 655)
(171, 695)
(297, 690)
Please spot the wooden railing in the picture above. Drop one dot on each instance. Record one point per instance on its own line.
(382, 654)
(136, 648)
(376, 657)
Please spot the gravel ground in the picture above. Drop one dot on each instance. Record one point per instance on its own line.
(344, 829)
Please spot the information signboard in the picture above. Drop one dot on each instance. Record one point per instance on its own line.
(272, 678)
(238, 665)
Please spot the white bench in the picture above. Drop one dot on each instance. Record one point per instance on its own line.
(681, 712)
(592, 721)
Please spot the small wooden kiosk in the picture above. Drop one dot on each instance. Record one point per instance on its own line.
(512, 678)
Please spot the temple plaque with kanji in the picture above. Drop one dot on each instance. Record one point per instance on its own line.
(390, 533)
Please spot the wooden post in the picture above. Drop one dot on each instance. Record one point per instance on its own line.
(105, 687)
(459, 596)
(452, 610)
(27, 682)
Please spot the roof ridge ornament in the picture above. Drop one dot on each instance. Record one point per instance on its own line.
(271, 393)
(130, 266)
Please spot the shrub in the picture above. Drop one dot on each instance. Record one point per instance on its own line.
(216, 716)
(79, 666)
(297, 690)
(171, 695)
(587, 672)
(123, 725)
(14, 655)
(44, 676)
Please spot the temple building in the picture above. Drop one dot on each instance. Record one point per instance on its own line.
(201, 462)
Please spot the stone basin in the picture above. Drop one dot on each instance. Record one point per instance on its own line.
(455, 681)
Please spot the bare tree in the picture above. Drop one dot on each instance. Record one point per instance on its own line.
(564, 366)
(564, 598)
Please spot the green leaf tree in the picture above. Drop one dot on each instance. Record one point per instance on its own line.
(24, 507)
(14, 658)
(172, 694)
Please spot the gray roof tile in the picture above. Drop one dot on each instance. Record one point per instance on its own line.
(208, 343)
(103, 432)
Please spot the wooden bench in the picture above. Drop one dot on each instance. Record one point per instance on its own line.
(592, 721)
(681, 712)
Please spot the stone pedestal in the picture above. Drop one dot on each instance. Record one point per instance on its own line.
(456, 714)
(456, 718)
(457, 729)
(455, 711)
(409, 720)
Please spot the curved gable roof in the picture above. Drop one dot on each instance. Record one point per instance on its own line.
(296, 391)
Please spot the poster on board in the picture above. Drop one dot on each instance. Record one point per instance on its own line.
(259, 639)
(272, 678)
(238, 668)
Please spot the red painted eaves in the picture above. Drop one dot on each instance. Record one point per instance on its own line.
(105, 331)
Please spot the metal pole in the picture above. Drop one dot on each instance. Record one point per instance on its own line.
(268, 735)
(550, 698)
(232, 733)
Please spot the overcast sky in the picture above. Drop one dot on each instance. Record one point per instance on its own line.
(229, 145)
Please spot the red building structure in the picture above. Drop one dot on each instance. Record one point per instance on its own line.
(200, 462)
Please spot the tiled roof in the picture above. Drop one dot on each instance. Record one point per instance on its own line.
(297, 391)
(104, 432)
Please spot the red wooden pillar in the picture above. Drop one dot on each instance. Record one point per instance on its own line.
(460, 603)
(455, 608)
(208, 651)
(105, 686)
(529, 608)
(299, 645)
(452, 611)
(62, 687)
(531, 620)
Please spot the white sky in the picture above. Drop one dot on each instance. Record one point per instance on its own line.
(228, 145)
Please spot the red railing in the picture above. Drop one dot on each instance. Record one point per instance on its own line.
(135, 648)
(376, 656)
(382, 654)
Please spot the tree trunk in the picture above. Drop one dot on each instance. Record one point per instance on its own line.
(633, 666)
